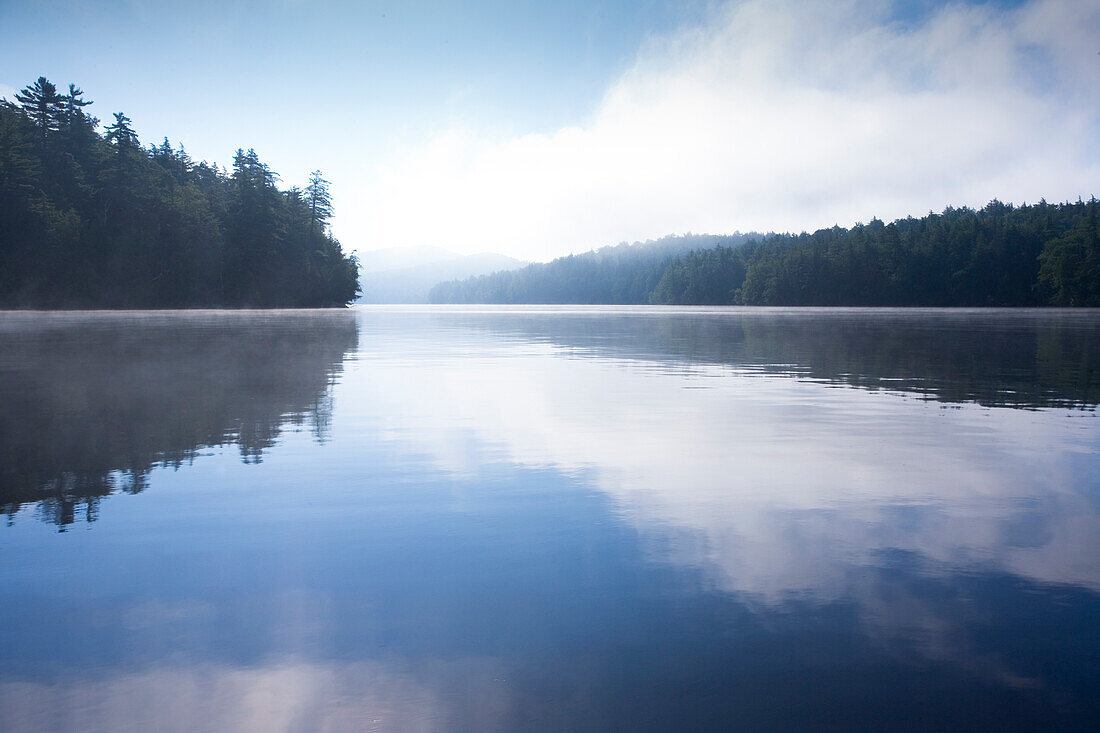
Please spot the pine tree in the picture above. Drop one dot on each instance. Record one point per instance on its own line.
(320, 202)
(121, 134)
(89, 217)
(74, 104)
(43, 105)
(19, 168)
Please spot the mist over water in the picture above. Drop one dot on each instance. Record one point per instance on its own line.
(550, 519)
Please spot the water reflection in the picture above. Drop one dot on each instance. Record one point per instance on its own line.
(777, 485)
(92, 402)
(582, 520)
(1011, 358)
(287, 694)
(916, 517)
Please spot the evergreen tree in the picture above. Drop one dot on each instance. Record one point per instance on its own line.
(91, 220)
(320, 203)
(43, 105)
(1070, 264)
(122, 134)
(74, 104)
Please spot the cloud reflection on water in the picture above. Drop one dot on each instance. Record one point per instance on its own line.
(778, 486)
(285, 694)
(568, 521)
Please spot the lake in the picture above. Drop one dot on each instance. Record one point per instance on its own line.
(550, 519)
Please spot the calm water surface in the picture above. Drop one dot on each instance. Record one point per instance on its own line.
(550, 519)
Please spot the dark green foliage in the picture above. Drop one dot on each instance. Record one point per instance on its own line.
(42, 104)
(91, 220)
(623, 274)
(962, 257)
(1069, 270)
(121, 134)
(1001, 255)
(318, 200)
(703, 277)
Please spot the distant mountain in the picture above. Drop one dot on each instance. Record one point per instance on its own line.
(405, 275)
(625, 273)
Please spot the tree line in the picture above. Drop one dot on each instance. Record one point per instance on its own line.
(621, 274)
(96, 219)
(1000, 255)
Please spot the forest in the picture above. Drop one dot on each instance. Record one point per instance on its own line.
(1000, 255)
(94, 219)
(621, 274)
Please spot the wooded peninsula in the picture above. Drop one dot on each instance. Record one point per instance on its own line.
(90, 220)
(1000, 255)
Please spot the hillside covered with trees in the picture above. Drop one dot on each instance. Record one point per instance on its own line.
(94, 219)
(1000, 255)
(623, 274)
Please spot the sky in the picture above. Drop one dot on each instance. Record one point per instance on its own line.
(535, 129)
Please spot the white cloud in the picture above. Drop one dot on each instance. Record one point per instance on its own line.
(774, 116)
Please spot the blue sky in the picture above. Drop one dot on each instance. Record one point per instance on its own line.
(537, 129)
(514, 63)
(225, 74)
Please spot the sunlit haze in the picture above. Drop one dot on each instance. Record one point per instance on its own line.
(536, 131)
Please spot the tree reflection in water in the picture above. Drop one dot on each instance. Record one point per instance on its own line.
(92, 403)
(994, 357)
